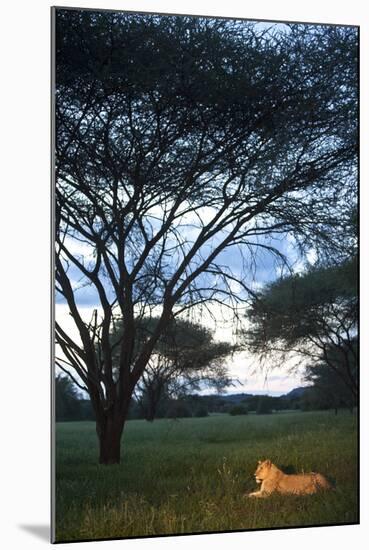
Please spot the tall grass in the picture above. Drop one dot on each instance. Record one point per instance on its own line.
(191, 475)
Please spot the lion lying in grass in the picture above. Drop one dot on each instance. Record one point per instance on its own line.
(272, 479)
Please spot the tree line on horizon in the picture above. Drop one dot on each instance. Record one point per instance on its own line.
(71, 407)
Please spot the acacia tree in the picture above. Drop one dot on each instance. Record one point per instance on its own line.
(179, 139)
(313, 317)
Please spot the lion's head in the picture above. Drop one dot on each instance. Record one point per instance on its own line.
(263, 470)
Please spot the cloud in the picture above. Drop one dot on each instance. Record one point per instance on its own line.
(243, 368)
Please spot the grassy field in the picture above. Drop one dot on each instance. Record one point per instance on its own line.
(191, 475)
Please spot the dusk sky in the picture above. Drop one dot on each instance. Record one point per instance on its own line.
(246, 371)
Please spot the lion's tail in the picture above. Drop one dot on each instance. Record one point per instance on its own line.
(322, 482)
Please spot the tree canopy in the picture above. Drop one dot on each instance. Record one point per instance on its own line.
(180, 140)
(312, 315)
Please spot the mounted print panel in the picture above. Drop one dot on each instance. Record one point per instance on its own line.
(205, 373)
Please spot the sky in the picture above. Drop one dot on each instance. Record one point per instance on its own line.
(266, 269)
(244, 369)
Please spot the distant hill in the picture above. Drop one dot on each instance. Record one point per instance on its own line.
(296, 393)
(235, 397)
(224, 403)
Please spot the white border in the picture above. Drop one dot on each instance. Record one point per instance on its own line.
(25, 229)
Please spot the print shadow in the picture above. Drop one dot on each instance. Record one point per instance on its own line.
(40, 531)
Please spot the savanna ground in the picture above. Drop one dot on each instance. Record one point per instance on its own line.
(190, 475)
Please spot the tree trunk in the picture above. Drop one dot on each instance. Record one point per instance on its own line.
(151, 406)
(109, 430)
(150, 414)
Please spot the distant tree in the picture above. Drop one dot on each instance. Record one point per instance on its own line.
(264, 405)
(283, 403)
(251, 402)
(329, 386)
(179, 138)
(238, 410)
(213, 403)
(86, 411)
(67, 404)
(319, 399)
(312, 316)
(179, 408)
(201, 411)
(185, 358)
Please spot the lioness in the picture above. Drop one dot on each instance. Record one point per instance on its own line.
(272, 479)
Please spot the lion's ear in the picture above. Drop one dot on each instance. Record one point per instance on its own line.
(259, 461)
(268, 463)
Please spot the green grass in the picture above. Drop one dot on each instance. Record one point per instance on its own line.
(190, 475)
